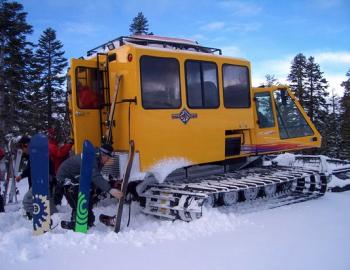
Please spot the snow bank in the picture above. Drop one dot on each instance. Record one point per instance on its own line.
(286, 159)
(166, 166)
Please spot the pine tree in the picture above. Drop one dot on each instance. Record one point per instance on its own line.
(345, 126)
(310, 87)
(49, 94)
(316, 88)
(297, 77)
(271, 80)
(15, 54)
(332, 142)
(139, 25)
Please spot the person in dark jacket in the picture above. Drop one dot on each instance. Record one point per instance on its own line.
(57, 155)
(68, 175)
(24, 145)
(28, 197)
(2, 177)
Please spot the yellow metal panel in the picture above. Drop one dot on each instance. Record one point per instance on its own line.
(85, 121)
(159, 134)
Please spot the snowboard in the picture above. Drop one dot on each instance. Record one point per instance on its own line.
(39, 166)
(87, 163)
(124, 187)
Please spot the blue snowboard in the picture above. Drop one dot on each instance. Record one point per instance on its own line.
(39, 166)
(87, 164)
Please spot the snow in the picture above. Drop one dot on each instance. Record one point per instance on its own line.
(164, 167)
(308, 235)
(336, 182)
(286, 159)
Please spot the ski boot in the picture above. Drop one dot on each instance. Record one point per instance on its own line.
(68, 225)
(107, 220)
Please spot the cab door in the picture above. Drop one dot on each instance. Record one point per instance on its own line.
(267, 135)
(86, 100)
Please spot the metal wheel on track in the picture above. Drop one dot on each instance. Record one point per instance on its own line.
(270, 190)
(251, 193)
(229, 198)
(210, 201)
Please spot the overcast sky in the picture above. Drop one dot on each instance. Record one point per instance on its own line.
(268, 33)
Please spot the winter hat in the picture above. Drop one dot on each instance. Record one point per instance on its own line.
(24, 140)
(106, 149)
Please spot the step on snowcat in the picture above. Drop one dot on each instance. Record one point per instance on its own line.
(197, 123)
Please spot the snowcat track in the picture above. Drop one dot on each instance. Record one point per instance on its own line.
(242, 191)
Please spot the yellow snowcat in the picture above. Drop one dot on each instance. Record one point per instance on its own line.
(197, 124)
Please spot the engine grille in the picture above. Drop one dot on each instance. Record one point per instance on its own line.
(111, 169)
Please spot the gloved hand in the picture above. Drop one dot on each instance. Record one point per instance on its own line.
(116, 193)
(116, 184)
(70, 141)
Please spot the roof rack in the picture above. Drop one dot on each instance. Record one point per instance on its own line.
(147, 40)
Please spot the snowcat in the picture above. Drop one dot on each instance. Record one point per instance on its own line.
(197, 124)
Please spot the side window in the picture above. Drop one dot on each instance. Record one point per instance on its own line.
(264, 110)
(89, 94)
(291, 122)
(236, 86)
(202, 84)
(160, 83)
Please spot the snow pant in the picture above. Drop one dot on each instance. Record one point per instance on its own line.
(71, 193)
(28, 203)
(2, 208)
(56, 189)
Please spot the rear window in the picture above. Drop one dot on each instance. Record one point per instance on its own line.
(236, 86)
(89, 88)
(160, 83)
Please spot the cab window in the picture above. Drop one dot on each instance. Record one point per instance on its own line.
(89, 94)
(202, 84)
(236, 86)
(290, 120)
(264, 110)
(160, 83)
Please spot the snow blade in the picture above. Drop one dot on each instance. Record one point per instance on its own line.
(87, 163)
(125, 186)
(39, 162)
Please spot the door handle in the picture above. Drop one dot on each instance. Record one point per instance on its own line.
(79, 113)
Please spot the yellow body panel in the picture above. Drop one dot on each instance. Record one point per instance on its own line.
(159, 134)
(85, 121)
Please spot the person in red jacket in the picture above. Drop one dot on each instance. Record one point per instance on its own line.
(87, 99)
(57, 155)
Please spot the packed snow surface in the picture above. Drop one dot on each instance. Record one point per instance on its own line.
(309, 235)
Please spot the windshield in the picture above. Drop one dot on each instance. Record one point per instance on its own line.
(291, 122)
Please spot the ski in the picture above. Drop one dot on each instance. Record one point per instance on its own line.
(9, 171)
(39, 162)
(124, 187)
(110, 121)
(87, 163)
(15, 170)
